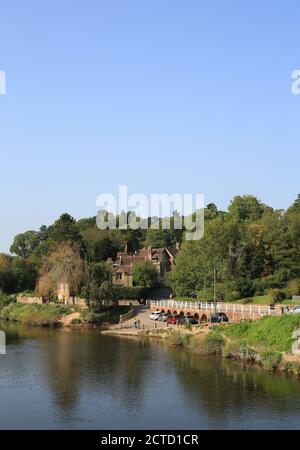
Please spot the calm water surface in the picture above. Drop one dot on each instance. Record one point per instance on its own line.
(82, 380)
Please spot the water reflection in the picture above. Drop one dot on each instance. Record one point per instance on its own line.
(80, 379)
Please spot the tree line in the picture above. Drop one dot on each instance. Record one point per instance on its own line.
(254, 249)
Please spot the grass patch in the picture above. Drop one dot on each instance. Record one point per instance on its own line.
(34, 315)
(258, 300)
(180, 338)
(268, 333)
(270, 360)
(210, 344)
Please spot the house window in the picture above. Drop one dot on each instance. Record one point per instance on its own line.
(119, 276)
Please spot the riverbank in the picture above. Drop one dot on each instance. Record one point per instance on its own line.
(266, 342)
(55, 315)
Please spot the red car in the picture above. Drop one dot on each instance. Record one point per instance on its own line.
(173, 320)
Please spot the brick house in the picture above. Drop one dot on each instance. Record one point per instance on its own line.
(162, 258)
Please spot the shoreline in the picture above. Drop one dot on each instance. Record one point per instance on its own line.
(204, 340)
(208, 345)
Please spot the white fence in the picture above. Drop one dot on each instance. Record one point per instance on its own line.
(262, 310)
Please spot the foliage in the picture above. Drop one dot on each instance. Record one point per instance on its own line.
(180, 338)
(270, 360)
(131, 293)
(109, 315)
(144, 274)
(252, 247)
(98, 289)
(34, 315)
(64, 265)
(16, 274)
(24, 244)
(277, 295)
(211, 344)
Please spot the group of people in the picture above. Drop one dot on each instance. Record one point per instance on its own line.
(137, 323)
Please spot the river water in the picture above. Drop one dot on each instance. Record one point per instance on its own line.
(66, 379)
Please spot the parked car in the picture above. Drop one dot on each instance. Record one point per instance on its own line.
(218, 318)
(155, 315)
(185, 320)
(173, 319)
(163, 317)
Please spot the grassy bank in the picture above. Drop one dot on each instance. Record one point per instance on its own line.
(267, 342)
(54, 314)
(34, 315)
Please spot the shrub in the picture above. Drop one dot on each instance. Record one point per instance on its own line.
(131, 293)
(244, 286)
(76, 321)
(277, 295)
(6, 299)
(239, 350)
(246, 301)
(270, 360)
(181, 339)
(292, 288)
(212, 344)
(233, 296)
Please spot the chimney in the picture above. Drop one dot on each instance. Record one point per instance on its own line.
(178, 246)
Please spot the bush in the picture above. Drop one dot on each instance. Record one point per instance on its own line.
(239, 350)
(243, 286)
(292, 288)
(233, 296)
(181, 339)
(6, 299)
(277, 295)
(212, 344)
(76, 321)
(270, 360)
(282, 276)
(246, 301)
(131, 293)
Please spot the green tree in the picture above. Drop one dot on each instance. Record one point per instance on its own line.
(65, 229)
(24, 244)
(98, 289)
(144, 274)
(246, 207)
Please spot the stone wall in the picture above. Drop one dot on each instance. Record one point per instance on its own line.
(72, 301)
(29, 300)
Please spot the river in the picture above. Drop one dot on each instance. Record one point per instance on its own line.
(79, 379)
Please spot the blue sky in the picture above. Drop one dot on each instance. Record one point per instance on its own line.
(161, 95)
